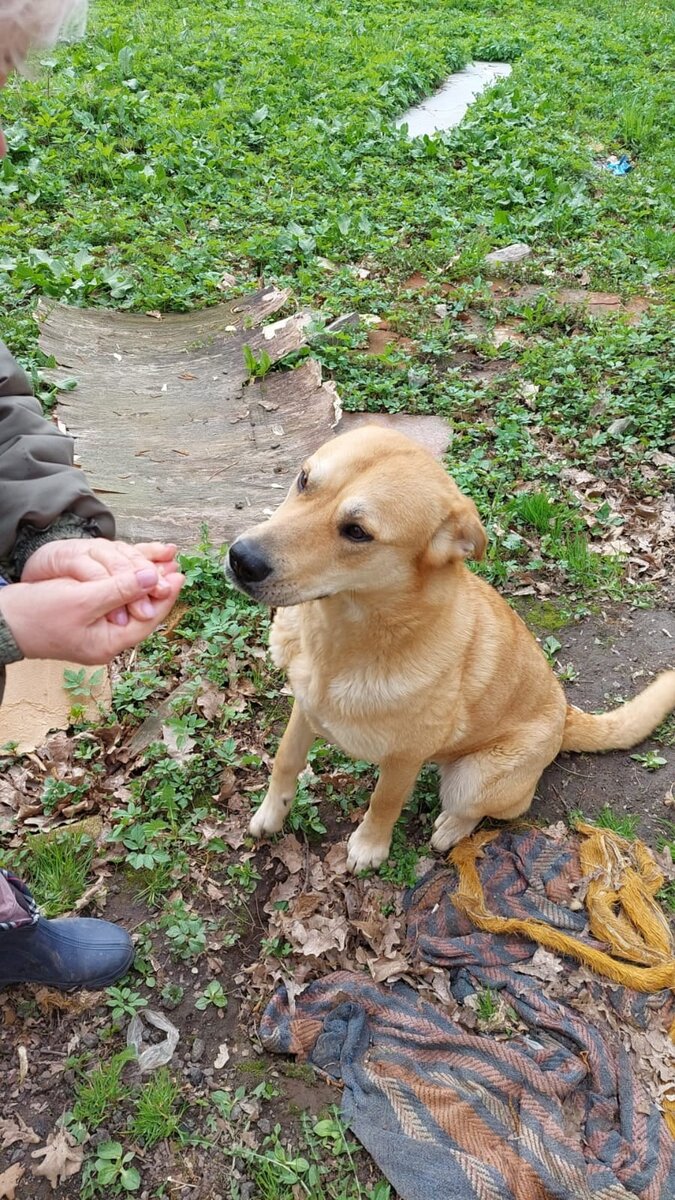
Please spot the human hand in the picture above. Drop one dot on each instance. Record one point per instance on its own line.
(88, 559)
(67, 618)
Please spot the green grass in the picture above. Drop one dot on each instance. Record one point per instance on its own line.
(139, 174)
(180, 142)
(158, 1109)
(56, 867)
(625, 824)
(321, 1166)
(487, 1004)
(98, 1094)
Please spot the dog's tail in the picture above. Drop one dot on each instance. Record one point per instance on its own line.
(625, 726)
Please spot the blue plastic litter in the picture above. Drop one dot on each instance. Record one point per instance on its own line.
(619, 166)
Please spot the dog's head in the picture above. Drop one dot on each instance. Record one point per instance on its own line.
(371, 510)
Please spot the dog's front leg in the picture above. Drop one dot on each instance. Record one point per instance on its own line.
(289, 762)
(369, 844)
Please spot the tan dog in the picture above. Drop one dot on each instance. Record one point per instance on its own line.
(400, 655)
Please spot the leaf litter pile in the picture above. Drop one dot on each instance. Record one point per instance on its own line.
(141, 817)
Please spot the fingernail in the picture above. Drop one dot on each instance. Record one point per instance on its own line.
(147, 608)
(121, 617)
(146, 578)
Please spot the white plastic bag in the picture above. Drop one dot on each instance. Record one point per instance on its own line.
(153, 1056)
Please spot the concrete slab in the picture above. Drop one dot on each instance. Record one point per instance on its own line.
(173, 433)
(36, 702)
(447, 107)
(434, 433)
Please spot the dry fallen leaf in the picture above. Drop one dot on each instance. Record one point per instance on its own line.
(50, 1000)
(61, 1157)
(211, 700)
(9, 1181)
(290, 852)
(15, 1129)
(223, 1056)
(543, 965)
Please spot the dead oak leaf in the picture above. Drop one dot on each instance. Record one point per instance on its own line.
(320, 935)
(15, 1129)
(336, 859)
(290, 853)
(61, 1157)
(211, 700)
(9, 1181)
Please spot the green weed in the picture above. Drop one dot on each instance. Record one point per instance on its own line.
(651, 760)
(213, 994)
(257, 367)
(665, 734)
(57, 792)
(185, 932)
(243, 876)
(158, 1109)
(80, 685)
(124, 1002)
(109, 1172)
(171, 995)
(57, 869)
(322, 1167)
(487, 1005)
(101, 1090)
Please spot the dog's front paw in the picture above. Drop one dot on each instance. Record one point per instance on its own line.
(450, 829)
(268, 819)
(364, 852)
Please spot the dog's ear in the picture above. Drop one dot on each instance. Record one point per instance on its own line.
(460, 535)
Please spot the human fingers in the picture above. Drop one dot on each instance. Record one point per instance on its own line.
(120, 638)
(117, 591)
(119, 557)
(157, 552)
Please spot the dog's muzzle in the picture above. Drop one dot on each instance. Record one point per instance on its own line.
(246, 565)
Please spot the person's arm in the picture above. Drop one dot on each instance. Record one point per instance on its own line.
(43, 497)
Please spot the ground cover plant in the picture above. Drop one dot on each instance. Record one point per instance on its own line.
(185, 152)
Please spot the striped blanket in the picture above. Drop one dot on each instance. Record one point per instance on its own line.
(554, 1111)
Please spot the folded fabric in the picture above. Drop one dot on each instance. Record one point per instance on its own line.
(553, 1111)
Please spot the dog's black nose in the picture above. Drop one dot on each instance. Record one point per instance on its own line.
(247, 562)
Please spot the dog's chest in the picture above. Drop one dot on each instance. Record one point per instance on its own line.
(352, 708)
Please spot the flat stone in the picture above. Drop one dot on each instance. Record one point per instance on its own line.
(447, 107)
(503, 334)
(514, 253)
(197, 1051)
(381, 337)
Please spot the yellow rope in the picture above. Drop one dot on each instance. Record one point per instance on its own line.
(622, 910)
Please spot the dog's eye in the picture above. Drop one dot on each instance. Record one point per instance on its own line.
(303, 478)
(355, 533)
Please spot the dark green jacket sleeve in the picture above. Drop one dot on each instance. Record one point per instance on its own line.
(42, 495)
